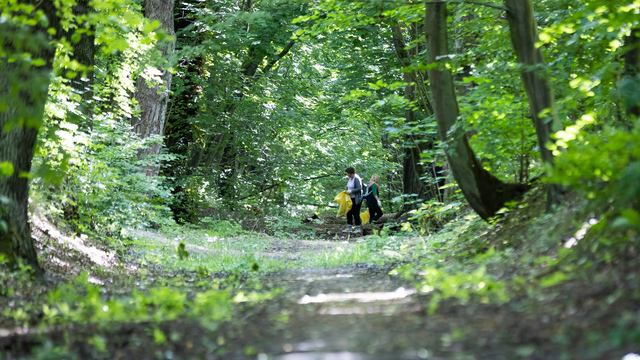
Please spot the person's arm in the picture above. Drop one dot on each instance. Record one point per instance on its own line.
(357, 185)
(375, 192)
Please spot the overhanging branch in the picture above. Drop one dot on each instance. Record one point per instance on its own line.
(279, 183)
(282, 54)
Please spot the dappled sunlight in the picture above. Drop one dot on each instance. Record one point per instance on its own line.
(580, 234)
(311, 180)
(369, 310)
(312, 277)
(345, 355)
(97, 256)
(400, 293)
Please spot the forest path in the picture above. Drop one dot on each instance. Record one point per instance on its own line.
(279, 249)
(351, 312)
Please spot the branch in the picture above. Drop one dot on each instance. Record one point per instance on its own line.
(312, 204)
(282, 54)
(278, 183)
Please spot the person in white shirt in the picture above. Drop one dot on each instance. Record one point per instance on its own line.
(354, 189)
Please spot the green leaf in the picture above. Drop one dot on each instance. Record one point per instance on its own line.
(149, 27)
(554, 279)
(159, 336)
(6, 168)
(632, 216)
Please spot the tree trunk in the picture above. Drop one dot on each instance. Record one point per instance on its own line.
(154, 100)
(524, 36)
(411, 184)
(411, 166)
(631, 77)
(21, 116)
(220, 147)
(84, 53)
(82, 84)
(485, 193)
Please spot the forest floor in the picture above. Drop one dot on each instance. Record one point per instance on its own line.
(274, 303)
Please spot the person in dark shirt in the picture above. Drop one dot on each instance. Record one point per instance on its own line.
(373, 199)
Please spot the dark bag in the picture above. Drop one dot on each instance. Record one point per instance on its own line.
(368, 194)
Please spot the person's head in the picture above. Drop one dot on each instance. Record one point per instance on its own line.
(350, 172)
(375, 178)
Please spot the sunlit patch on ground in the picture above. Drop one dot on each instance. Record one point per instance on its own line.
(346, 355)
(97, 256)
(400, 293)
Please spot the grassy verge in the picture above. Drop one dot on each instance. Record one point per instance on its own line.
(563, 280)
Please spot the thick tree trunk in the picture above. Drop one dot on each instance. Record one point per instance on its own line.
(524, 36)
(485, 193)
(155, 98)
(21, 116)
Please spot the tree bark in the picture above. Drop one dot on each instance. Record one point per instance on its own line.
(84, 53)
(631, 77)
(485, 193)
(524, 36)
(155, 98)
(21, 114)
(411, 184)
(82, 84)
(412, 168)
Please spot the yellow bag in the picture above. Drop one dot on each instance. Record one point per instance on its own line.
(365, 216)
(344, 200)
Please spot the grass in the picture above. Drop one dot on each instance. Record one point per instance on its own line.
(225, 247)
(517, 268)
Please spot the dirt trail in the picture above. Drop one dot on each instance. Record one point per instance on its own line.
(352, 312)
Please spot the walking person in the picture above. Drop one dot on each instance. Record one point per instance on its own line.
(354, 189)
(373, 199)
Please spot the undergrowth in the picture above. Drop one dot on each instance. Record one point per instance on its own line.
(545, 264)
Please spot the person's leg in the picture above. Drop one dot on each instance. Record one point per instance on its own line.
(350, 218)
(375, 211)
(356, 215)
